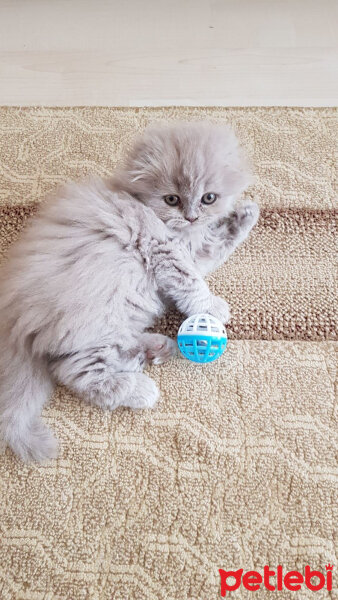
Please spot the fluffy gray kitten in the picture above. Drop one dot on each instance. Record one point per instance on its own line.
(101, 261)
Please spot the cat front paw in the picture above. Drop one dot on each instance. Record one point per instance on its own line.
(219, 309)
(244, 218)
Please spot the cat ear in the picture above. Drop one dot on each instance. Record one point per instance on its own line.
(237, 181)
(136, 176)
(137, 170)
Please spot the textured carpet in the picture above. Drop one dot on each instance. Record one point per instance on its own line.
(236, 466)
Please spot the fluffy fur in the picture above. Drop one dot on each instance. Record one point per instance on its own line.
(101, 261)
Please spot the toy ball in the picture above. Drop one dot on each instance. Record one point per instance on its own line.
(202, 338)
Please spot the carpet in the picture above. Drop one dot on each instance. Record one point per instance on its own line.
(236, 466)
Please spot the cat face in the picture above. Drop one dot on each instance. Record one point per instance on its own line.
(188, 173)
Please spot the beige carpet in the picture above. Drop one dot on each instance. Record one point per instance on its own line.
(236, 466)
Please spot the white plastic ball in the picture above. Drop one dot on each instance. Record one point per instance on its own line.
(202, 338)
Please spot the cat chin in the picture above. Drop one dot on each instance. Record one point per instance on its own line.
(183, 225)
(179, 227)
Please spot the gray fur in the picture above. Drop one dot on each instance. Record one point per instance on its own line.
(100, 262)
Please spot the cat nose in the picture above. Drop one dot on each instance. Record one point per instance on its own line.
(191, 219)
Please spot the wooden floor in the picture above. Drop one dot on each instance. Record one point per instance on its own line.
(181, 52)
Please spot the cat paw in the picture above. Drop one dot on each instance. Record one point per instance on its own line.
(219, 309)
(146, 393)
(159, 348)
(41, 446)
(244, 218)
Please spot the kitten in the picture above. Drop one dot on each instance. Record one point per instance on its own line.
(101, 261)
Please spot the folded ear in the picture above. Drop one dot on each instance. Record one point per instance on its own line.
(136, 176)
(237, 181)
(143, 158)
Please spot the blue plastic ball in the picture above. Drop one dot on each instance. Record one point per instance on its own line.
(202, 338)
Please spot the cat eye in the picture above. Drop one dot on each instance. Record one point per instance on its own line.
(172, 199)
(209, 198)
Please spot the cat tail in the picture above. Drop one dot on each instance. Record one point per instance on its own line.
(25, 385)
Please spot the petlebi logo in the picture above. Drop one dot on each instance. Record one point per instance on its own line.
(276, 580)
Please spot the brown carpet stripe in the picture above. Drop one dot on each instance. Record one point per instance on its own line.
(279, 285)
